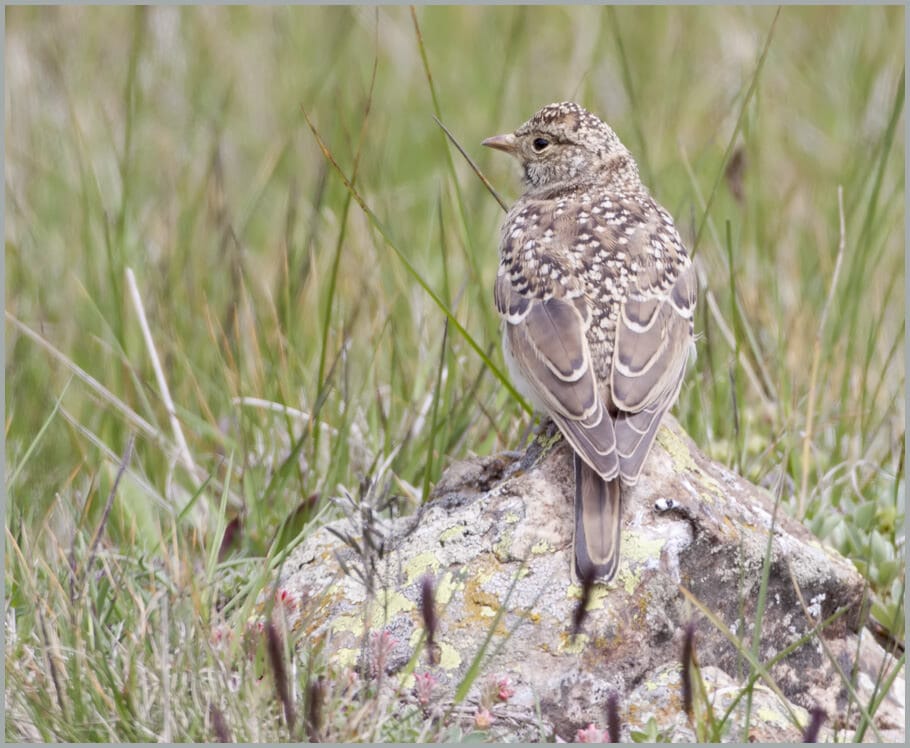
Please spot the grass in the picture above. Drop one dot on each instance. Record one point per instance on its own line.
(310, 346)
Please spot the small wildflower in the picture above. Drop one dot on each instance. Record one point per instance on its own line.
(253, 634)
(381, 645)
(591, 734)
(483, 719)
(383, 640)
(350, 678)
(221, 635)
(424, 684)
(495, 688)
(506, 692)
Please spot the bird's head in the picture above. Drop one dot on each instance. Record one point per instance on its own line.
(564, 144)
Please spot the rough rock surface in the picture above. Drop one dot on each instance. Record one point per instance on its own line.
(496, 539)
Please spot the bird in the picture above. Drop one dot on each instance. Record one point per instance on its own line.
(596, 297)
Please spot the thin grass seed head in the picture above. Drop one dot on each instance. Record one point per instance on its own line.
(688, 656)
(428, 611)
(816, 718)
(613, 724)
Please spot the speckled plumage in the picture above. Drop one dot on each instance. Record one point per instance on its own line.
(597, 295)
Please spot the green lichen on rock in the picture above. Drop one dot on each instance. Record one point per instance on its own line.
(638, 549)
(503, 549)
(599, 593)
(541, 546)
(418, 565)
(453, 533)
(446, 587)
(349, 623)
(683, 461)
(387, 605)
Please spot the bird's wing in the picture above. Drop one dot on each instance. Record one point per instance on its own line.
(654, 334)
(545, 335)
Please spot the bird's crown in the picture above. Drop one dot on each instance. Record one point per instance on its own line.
(563, 144)
(571, 123)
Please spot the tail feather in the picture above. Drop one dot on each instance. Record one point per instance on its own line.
(598, 523)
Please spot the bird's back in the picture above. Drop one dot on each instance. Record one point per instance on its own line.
(610, 246)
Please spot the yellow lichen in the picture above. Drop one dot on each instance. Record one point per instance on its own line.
(541, 547)
(354, 624)
(346, 657)
(502, 550)
(573, 645)
(479, 604)
(596, 600)
(449, 659)
(445, 588)
(389, 605)
(682, 460)
(420, 564)
(636, 548)
(452, 533)
(547, 443)
(774, 717)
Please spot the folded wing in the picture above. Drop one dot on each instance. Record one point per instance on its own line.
(546, 339)
(653, 340)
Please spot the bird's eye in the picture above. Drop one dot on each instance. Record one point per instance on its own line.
(540, 143)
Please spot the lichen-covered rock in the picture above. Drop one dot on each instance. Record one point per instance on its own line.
(496, 540)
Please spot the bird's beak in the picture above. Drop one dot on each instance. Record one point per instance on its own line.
(505, 142)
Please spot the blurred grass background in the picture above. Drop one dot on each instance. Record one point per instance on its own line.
(172, 141)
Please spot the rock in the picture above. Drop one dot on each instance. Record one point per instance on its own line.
(496, 541)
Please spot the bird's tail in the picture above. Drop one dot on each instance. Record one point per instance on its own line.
(598, 523)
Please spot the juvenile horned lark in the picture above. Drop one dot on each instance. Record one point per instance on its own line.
(597, 295)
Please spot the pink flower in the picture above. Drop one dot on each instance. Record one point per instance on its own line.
(221, 635)
(495, 688)
(383, 641)
(424, 683)
(256, 626)
(483, 719)
(505, 692)
(381, 645)
(591, 735)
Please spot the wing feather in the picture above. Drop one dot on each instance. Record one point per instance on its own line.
(549, 348)
(653, 339)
